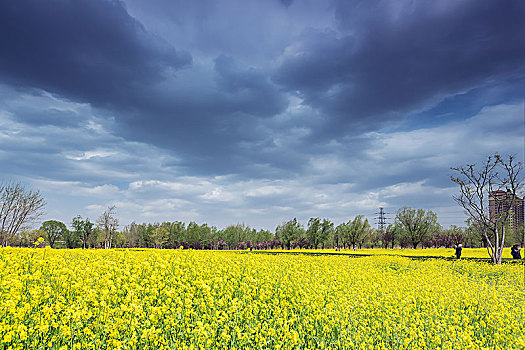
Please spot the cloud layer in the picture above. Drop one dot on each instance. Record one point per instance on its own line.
(256, 112)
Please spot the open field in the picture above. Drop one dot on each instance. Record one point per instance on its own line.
(180, 299)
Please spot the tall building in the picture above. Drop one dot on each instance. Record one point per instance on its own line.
(500, 202)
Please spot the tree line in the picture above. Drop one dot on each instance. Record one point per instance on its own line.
(413, 228)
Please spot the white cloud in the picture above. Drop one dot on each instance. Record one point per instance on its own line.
(101, 153)
(403, 189)
(218, 194)
(457, 142)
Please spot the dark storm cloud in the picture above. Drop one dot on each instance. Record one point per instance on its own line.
(250, 90)
(48, 116)
(210, 117)
(88, 50)
(95, 52)
(388, 58)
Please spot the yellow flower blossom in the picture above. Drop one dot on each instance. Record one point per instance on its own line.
(188, 299)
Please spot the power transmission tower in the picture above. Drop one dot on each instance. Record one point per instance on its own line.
(381, 219)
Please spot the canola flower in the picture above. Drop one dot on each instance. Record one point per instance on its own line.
(435, 252)
(39, 241)
(185, 299)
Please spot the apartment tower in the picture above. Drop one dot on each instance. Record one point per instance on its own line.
(500, 202)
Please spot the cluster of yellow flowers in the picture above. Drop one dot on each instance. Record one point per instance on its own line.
(185, 299)
(428, 252)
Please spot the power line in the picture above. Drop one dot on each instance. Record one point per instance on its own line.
(381, 219)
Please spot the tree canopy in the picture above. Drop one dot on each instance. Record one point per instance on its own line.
(53, 230)
(416, 224)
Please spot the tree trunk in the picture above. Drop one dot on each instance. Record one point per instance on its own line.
(500, 252)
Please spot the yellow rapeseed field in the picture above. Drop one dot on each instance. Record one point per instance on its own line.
(439, 252)
(181, 299)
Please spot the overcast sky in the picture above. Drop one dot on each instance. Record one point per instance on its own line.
(233, 111)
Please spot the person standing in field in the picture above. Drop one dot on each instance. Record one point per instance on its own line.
(458, 251)
(515, 251)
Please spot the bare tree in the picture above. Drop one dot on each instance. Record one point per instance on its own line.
(479, 184)
(18, 207)
(108, 224)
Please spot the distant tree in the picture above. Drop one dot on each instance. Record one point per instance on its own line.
(301, 242)
(220, 244)
(394, 233)
(71, 239)
(450, 237)
(312, 232)
(386, 238)
(23, 238)
(289, 231)
(198, 236)
(131, 235)
(265, 239)
(475, 234)
(326, 231)
(342, 232)
(119, 239)
(53, 230)
(373, 237)
(160, 236)
(263, 235)
(83, 229)
(476, 185)
(358, 229)
(416, 224)
(96, 240)
(146, 235)
(231, 235)
(319, 231)
(18, 207)
(235, 234)
(28, 237)
(337, 238)
(108, 224)
(176, 233)
(516, 236)
(390, 236)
